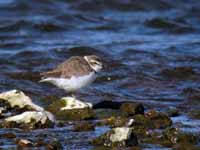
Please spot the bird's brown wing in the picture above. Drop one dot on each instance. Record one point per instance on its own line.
(75, 66)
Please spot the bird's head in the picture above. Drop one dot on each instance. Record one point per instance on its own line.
(95, 62)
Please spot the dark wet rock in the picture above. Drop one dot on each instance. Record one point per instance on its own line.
(106, 113)
(141, 131)
(23, 143)
(75, 114)
(160, 120)
(152, 120)
(155, 137)
(178, 72)
(8, 135)
(85, 126)
(114, 122)
(185, 146)
(172, 112)
(130, 109)
(174, 135)
(30, 120)
(142, 120)
(108, 104)
(54, 145)
(71, 109)
(117, 137)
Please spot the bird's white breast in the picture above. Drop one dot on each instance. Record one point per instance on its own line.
(73, 83)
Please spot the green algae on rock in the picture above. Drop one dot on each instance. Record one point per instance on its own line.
(117, 137)
(175, 135)
(69, 108)
(160, 120)
(106, 113)
(30, 120)
(15, 99)
(85, 126)
(130, 109)
(113, 122)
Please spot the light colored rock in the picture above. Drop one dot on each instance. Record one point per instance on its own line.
(120, 134)
(29, 116)
(18, 98)
(117, 137)
(24, 143)
(73, 103)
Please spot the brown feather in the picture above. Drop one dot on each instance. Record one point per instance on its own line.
(74, 66)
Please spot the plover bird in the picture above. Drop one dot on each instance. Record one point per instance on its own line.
(74, 73)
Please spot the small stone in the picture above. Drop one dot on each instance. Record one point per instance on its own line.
(117, 137)
(84, 127)
(24, 143)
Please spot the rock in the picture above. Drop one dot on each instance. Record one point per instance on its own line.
(106, 113)
(117, 137)
(113, 122)
(23, 143)
(174, 135)
(186, 146)
(130, 109)
(84, 127)
(8, 135)
(75, 114)
(160, 120)
(40, 142)
(173, 112)
(69, 108)
(72, 103)
(15, 99)
(108, 104)
(30, 120)
(54, 145)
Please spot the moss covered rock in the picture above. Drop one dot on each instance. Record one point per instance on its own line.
(174, 135)
(117, 137)
(159, 120)
(69, 108)
(113, 122)
(106, 113)
(130, 109)
(85, 126)
(30, 120)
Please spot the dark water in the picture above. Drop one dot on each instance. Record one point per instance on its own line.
(151, 49)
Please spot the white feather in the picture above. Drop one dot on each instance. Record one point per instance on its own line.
(72, 84)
